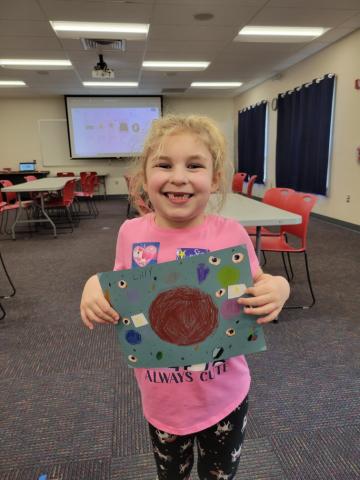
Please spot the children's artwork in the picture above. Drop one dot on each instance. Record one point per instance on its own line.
(184, 312)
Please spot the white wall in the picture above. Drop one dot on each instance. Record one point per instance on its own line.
(343, 59)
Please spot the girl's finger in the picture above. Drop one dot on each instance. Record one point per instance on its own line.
(262, 310)
(107, 309)
(99, 313)
(85, 321)
(256, 301)
(269, 318)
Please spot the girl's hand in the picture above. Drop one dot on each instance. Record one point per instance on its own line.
(269, 294)
(94, 308)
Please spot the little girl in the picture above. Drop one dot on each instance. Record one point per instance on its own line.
(182, 164)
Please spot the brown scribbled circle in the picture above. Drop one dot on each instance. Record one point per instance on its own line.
(183, 315)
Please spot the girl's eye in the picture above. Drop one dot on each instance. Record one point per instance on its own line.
(237, 257)
(214, 260)
(163, 165)
(194, 166)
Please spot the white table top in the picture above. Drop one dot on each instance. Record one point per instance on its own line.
(251, 213)
(42, 185)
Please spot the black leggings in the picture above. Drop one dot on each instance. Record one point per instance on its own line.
(219, 448)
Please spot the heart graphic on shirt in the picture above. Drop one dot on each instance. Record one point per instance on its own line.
(143, 256)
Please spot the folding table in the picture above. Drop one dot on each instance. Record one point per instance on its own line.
(41, 186)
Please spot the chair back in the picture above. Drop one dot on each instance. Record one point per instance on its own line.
(238, 182)
(30, 178)
(250, 185)
(69, 192)
(65, 174)
(88, 180)
(278, 196)
(302, 204)
(10, 196)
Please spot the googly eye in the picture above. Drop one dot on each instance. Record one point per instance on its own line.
(122, 284)
(220, 293)
(238, 257)
(132, 358)
(230, 332)
(214, 260)
(126, 321)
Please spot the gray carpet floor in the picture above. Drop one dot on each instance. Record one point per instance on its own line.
(69, 407)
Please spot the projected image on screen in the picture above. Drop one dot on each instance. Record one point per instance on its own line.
(105, 127)
(112, 130)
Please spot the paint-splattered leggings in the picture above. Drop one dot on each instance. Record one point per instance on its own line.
(219, 448)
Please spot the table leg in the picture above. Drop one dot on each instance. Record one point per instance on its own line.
(41, 207)
(43, 211)
(17, 216)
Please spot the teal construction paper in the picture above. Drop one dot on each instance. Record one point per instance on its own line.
(179, 313)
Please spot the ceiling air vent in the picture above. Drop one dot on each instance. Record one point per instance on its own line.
(173, 90)
(93, 44)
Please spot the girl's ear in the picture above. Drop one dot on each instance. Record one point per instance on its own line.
(216, 182)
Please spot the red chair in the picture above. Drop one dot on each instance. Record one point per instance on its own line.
(30, 178)
(141, 207)
(11, 204)
(302, 204)
(64, 202)
(65, 174)
(87, 181)
(276, 197)
(250, 185)
(238, 182)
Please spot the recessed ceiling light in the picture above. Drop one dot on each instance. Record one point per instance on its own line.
(269, 31)
(110, 84)
(288, 31)
(203, 16)
(216, 84)
(179, 66)
(12, 83)
(28, 64)
(125, 31)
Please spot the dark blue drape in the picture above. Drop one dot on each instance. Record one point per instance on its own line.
(303, 136)
(251, 141)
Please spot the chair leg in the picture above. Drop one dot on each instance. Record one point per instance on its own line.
(3, 313)
(9, 279)
(304, 307)
(309, 282)
(264, 256)
(285, 267)
(289, 262)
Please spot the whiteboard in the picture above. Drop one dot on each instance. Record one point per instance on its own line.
(54, 143)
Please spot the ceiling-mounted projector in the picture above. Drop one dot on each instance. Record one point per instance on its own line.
(101, 70)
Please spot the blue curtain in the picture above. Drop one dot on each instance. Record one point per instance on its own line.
(251, 141)
(303, 136)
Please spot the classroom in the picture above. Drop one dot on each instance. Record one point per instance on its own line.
(71, 406)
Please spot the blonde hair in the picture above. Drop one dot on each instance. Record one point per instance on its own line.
(207, 131)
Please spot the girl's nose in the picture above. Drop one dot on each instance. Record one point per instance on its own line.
(179, 176)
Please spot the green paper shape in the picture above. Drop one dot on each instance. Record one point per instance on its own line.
(178, 313)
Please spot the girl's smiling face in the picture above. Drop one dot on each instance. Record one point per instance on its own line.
(179, 180)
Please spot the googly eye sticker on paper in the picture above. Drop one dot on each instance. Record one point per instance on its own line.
(184, 312)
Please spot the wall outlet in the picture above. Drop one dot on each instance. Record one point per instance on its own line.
(348, 197)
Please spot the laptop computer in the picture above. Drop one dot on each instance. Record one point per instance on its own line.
(27, 167)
